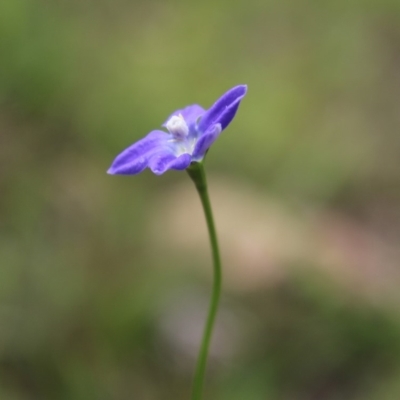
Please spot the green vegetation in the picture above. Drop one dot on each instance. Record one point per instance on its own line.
(96, 272)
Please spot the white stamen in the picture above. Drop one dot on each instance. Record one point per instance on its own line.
(177, 126)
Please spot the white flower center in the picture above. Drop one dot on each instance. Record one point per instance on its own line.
(177, 127)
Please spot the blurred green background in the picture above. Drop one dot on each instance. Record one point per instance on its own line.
(104, 281)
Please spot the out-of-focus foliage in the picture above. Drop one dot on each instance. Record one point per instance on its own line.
(103, 297)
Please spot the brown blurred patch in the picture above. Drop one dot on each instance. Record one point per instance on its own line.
(262, 239)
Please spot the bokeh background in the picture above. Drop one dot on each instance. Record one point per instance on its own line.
(104, 281)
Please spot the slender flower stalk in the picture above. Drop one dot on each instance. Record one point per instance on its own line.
(196, 172)
(191, 132)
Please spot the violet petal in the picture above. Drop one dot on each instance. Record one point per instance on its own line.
(135, 158)
(205, 142)
(162, 162)
(224, 109)
(190, 114)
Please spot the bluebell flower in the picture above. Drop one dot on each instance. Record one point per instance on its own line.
(191, 132)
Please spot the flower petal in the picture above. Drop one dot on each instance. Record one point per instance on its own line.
(164, 161)
(205, 142)
(190, 114)
(224, 109)
(136, 157)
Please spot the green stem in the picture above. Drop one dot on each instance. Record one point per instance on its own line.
(196, 172)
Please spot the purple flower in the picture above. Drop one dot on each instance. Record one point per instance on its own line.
(191, 132)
